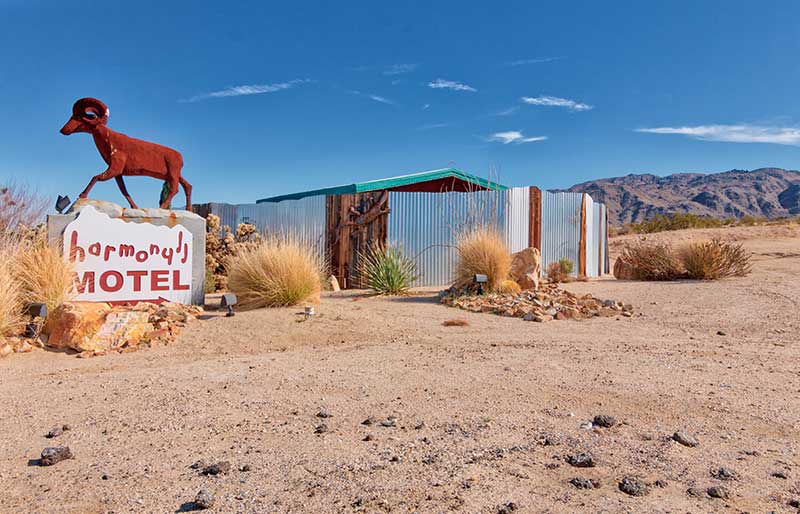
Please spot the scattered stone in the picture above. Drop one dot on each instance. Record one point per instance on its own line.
(369, 421)
(633, 486)
(552, 465)
(334, 283)
(550, 440)
(695, 492)
(661, 483)
(718, 491)
(543, 304)
(508, 508)
(222, 467)
(104, 476)
(324, 414)
(584, 483)
(368, 437)
(204, 499)
(420, 425)
(723, 474)
(780, 474)
(55, 454)
(198, 464)
(390, 422)
(394, 458)
(245, 468)
(321, 428)
(685, 439)
(721, 333)
(604, 420)
(581, 460)
(794, 503)
(54, 432)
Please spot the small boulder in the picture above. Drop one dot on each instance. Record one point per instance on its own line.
(222, 467)
(584, 483)
(633, 486)
(685, 439)
(54, 455)
(582, 460)
(204, 499)
(723, 473)
(604, 420)
(718, 491)
(526, 267)
(74, 325)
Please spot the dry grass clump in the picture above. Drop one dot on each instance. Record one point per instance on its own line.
(11, 303)
(707, 260)
(20, 207)
(42, 274)
(278, 272)
(482, 251)
(387, 270)
(652, 261)
(455, 323)
(508, 287)
(715, 259)
(560, 271)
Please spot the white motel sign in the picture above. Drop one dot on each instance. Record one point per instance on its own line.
(117, 261)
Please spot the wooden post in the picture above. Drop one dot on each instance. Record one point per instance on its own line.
(535, 226)
(582, 250)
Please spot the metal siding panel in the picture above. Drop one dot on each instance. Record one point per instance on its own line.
(561, 227)
(304, 218)
(426, 225)
(591, 238)
(517, 218)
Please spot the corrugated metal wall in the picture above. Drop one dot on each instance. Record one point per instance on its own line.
(304, 218)
(592, 238)
(604, 260)
(425, 226)
(518, 218)
(561, 227)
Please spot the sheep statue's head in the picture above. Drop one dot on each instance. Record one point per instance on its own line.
(87, 115)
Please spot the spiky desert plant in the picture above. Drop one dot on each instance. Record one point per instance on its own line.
(280, 271)
(715, 259)
(42, 274)
(652, 261)
(11, 303)
(481, 251)
(387, 270)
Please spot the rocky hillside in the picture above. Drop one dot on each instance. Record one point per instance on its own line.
(765, 192)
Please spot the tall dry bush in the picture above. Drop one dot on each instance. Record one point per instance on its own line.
(278, 272)
(42, 274)
(715, 259)
(11, 302)
(20, 207)
(652, 261)
(482, 251)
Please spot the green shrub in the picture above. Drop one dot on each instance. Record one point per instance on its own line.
(387, 270)
(567, 265)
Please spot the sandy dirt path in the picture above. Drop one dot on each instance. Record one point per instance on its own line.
(485, 414)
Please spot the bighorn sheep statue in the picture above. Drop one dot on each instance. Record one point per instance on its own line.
(125, 155)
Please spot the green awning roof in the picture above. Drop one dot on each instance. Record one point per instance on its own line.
(391, 183)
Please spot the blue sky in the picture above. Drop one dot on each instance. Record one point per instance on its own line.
(264, 98)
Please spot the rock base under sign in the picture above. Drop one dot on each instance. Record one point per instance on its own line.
(96, 328)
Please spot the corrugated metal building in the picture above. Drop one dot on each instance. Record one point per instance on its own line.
(423, 213)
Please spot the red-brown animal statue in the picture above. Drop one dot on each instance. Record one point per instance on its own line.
(125, 155)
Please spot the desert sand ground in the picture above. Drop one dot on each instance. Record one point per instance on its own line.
(475, 406)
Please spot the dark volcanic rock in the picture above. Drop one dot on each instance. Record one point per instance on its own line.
(582, 460)
(584, 483)
(723, 474)
(55, 454)
(604, 420)
(222, 467)
(718, 491)
(633, 486)
(695, 492)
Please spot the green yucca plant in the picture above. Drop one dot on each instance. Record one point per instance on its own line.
(387, 270)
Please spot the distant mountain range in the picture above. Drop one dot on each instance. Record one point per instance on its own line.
(765, 192)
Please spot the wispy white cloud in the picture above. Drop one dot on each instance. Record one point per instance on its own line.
(451, 84)
(433, 126)
(513, 136)
(254, 89)
(554, 101)
(506, 112)
(742, 133)
(538, 60)
(376, 98)
(426, 107)
(399, 69)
